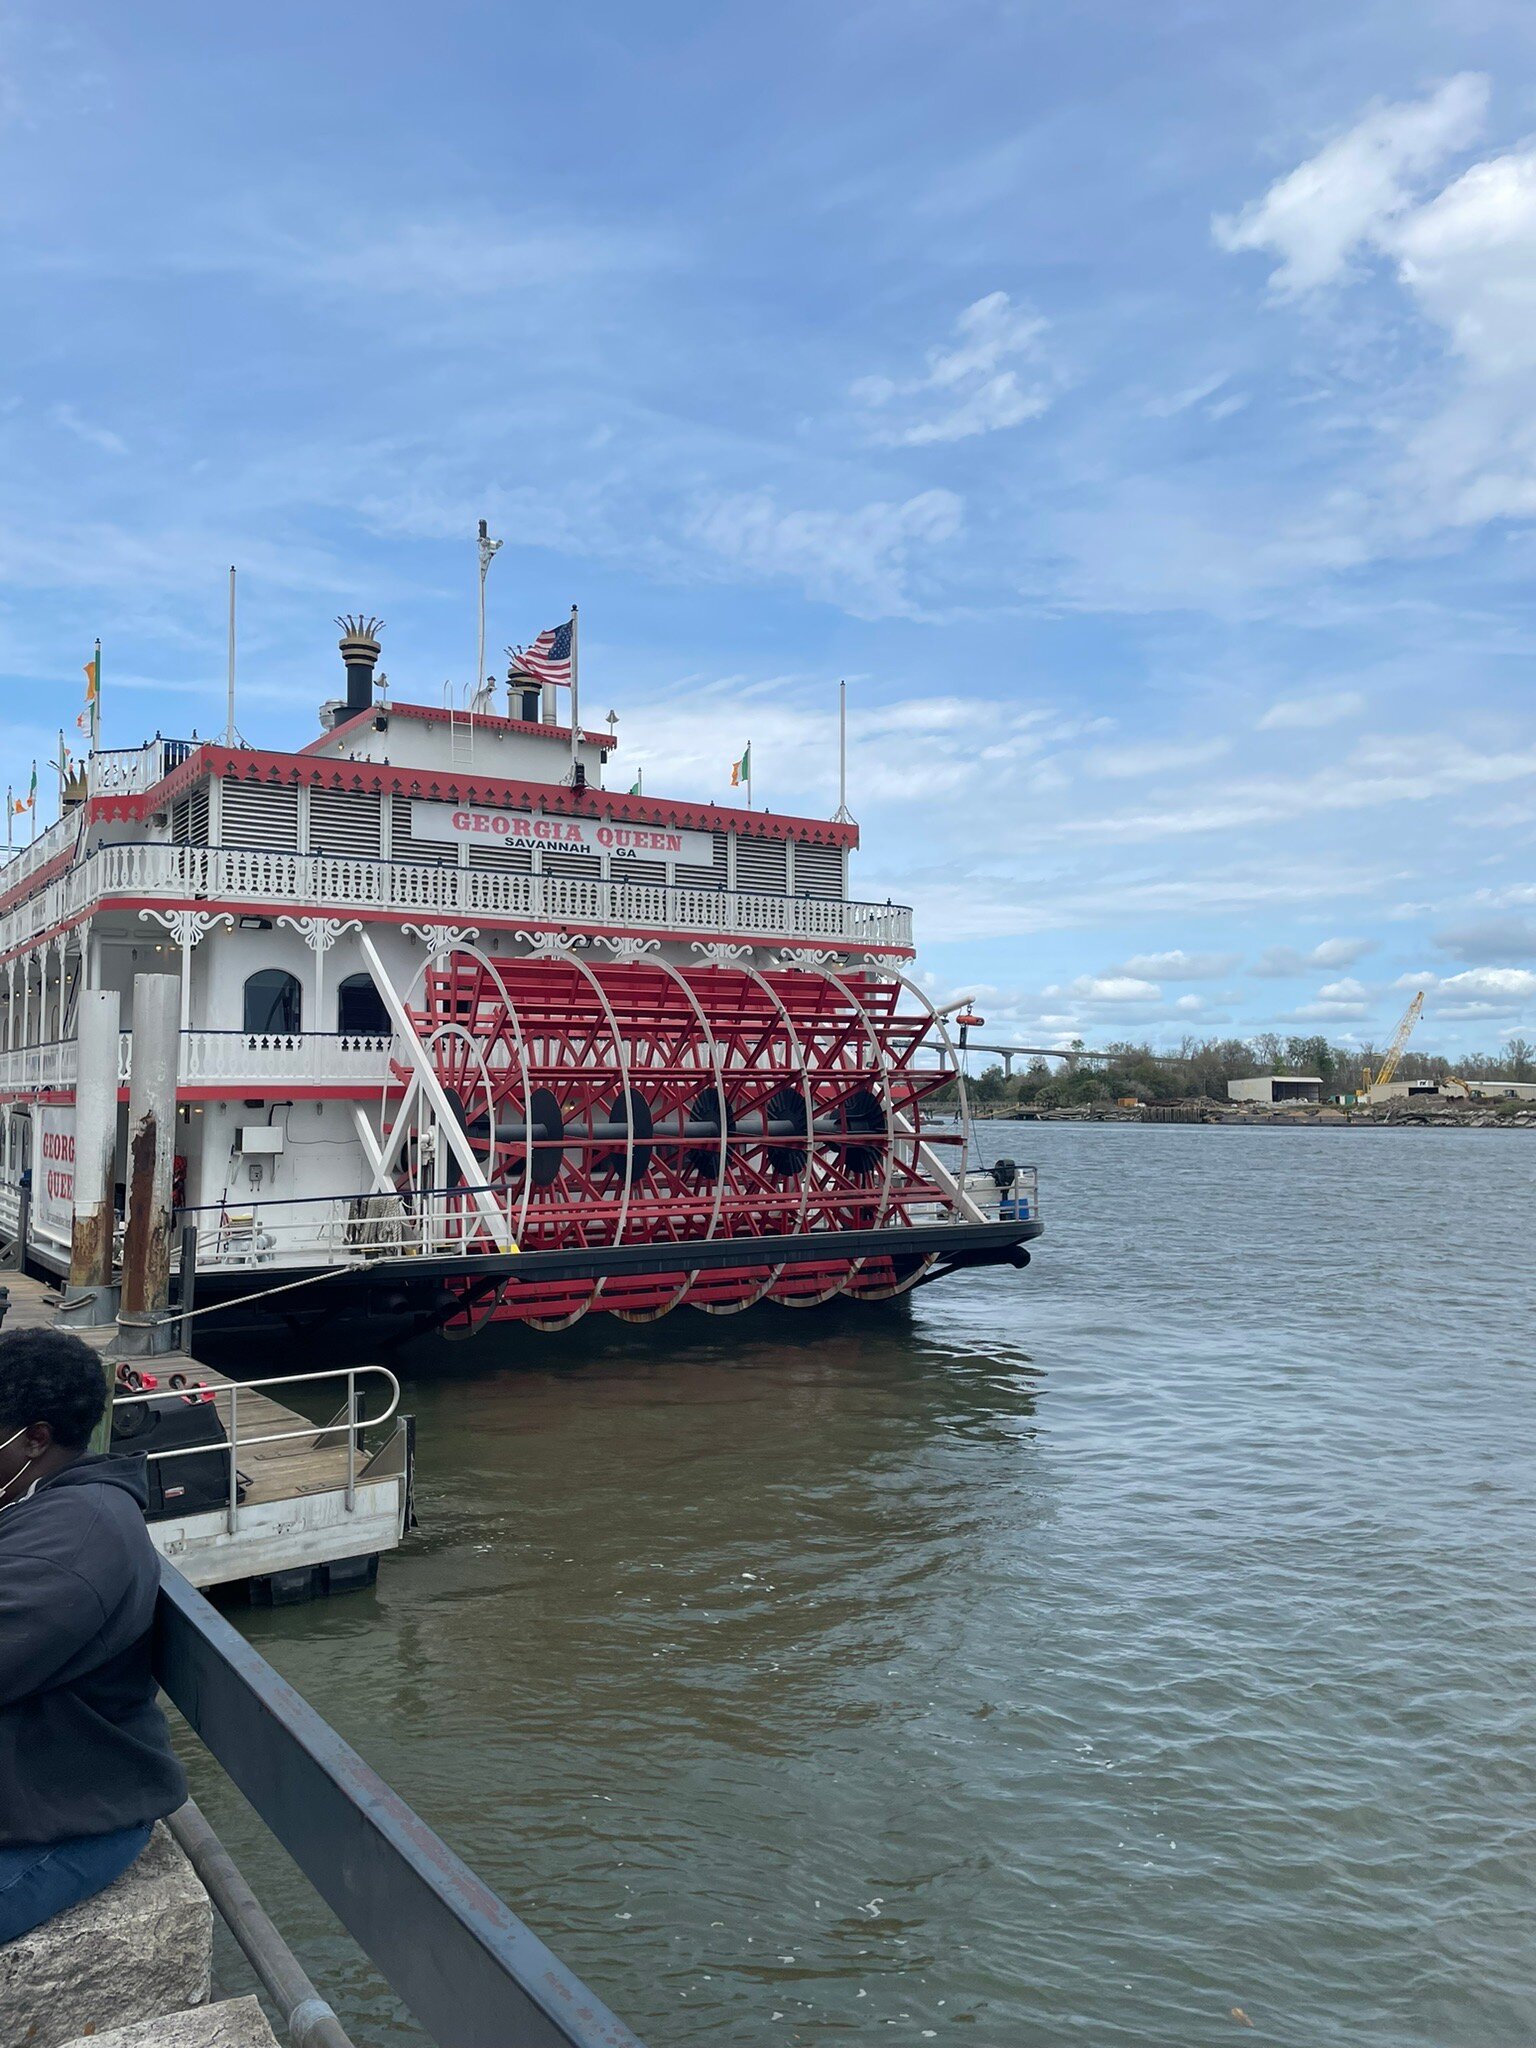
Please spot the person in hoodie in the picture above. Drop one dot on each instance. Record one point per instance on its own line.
(86, 1766)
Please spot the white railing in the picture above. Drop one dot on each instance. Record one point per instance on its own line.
(341, 1230)
(1018, 1204)
(348, 1425)
(51, 1065)
(124, 771)
(300, 1056)
(336, 881)
(314, 1058)
(26, 860)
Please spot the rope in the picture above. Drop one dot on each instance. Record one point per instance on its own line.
(239, 1301)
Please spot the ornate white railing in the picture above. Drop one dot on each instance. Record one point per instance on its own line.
(314, 1058)
(458, 895)
(123, 771)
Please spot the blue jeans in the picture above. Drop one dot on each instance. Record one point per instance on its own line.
(37, 1882)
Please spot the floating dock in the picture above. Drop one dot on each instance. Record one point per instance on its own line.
(309, 1510)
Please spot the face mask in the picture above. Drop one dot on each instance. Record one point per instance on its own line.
(25, 1468)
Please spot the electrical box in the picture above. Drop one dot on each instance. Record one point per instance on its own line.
(259, 1141)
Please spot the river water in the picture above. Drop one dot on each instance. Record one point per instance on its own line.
(1069, 1657)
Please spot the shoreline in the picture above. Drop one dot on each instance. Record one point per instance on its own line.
(1215, 1116)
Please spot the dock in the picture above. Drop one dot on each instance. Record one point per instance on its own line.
(309, 1510)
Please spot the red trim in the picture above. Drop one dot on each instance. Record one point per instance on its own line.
(378, 778)
(436, 714)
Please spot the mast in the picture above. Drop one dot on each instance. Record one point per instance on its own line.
(229, 722)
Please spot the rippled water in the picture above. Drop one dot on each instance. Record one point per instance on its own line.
(1070, 1657)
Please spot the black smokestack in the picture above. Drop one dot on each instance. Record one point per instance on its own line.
(360, 651)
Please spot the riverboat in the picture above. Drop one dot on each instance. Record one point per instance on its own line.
(468, 1035)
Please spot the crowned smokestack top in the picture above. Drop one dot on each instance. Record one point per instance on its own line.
(360, 652)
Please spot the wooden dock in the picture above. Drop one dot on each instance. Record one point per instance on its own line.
(312, 1516)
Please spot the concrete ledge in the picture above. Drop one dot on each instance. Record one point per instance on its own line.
(232, 2023)
(141, 1948)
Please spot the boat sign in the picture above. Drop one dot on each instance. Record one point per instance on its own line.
(453, 822)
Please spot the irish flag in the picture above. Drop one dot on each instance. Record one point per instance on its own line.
(741, 771)
(89, 720)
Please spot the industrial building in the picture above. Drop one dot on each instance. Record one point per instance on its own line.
(1273, 1089)
(1452, 1089)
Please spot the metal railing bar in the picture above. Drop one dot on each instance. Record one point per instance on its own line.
(306, 2018)
(473, 1974)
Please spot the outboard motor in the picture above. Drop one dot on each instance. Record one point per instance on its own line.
(1005, 1175)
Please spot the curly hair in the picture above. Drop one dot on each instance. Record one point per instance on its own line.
(49, 1376)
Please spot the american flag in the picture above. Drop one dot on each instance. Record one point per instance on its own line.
(548, 660)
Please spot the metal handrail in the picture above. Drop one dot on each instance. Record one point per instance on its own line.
(472, 1973)
(351, 1429)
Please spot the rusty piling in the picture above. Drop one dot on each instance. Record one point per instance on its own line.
(92, 1294)
(146, 1287)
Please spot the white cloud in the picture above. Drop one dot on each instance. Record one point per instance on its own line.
(1111, 988)
(973, 372)
(1180, 966)
(1350, 193)
(1278, 961)
(1304, 714)
(1154, 759)
(1189, 1004)
(1341, 952)
(1491, 984)
(86, 430)
(857, 559)
(1346, 991)
(1329, 1009)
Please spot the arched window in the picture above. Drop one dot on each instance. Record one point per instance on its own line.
(360, 1007)
(273, 1001)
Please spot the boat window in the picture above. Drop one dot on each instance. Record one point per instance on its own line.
(273, 1001)
(360, 1007)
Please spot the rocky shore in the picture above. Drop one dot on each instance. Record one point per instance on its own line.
(1436, 1115)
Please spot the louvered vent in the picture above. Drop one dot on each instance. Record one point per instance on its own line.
(258, 816)
(760, 864)
(623, 869)
(189, 817)
(571, 863)
(507, 859)
(713, 875)
(435, 851)
(818, 870)
(344, 821)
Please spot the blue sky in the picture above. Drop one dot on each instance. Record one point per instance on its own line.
(1136, 404)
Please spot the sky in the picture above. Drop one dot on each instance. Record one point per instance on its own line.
(1135, 405)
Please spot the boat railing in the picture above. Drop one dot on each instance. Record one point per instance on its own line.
(347, 1425)
(349, 1229)
(126, 771)
(410, 889)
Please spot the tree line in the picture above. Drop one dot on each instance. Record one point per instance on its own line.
(1204, 1066)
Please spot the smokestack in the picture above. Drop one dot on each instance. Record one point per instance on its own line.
(360, 652)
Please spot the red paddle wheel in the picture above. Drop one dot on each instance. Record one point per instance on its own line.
(630, 1102)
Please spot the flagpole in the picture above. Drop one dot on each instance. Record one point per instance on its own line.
(229, 724)
(32, 801)
(488, 550)
(749, 775)
(840, 815)
(96, 705)
(10, 812)
(63, 771)
(575, 706)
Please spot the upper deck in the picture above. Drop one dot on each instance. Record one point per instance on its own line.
(408, 813)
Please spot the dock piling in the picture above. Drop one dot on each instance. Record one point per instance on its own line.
(143, 1326)
(92, 1295)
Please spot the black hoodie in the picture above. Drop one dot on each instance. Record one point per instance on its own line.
(84, 1749)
